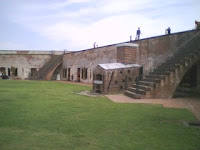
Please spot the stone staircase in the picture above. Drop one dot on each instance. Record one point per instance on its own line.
(49, 66)
(162, 81)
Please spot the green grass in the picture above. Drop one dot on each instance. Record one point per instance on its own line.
(39, 115)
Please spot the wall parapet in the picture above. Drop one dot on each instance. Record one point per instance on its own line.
(20, 52)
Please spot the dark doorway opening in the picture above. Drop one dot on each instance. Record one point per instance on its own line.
(188, 84)
(84, 73)
(9, 72)
(33, 71)
(64, 73)
(140, 75)
(99, 77)
(16, 72)
(68, 74)
(190, 78)
(141, 72)
(78, 74)
(98, 88)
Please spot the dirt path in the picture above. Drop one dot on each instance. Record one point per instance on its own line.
(193, 104)
(77, 83)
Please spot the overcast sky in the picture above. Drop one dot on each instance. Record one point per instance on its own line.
(77, 24)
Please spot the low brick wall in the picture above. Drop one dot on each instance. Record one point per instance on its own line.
(115, 80)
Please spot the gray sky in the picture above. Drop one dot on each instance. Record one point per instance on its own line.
(77, 24)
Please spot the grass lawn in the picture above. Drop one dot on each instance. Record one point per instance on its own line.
(41, 115)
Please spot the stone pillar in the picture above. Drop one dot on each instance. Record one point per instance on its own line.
(126, 53)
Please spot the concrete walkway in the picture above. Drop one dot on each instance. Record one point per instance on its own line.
(193, 104)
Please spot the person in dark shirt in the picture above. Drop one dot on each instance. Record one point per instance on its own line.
(169, 30)
(138, 33)
(197, 24)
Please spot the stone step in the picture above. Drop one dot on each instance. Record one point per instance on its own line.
(164, 69)
(166, 73)
(155, 76)
(196, 52)
(182, 55)
(173, 62)
(165, 65)
(151, 80)
(176, 66)
(142, 87)
(137, 91)
(171, 68)
(189, 56)
(146, 83)
(133, 95)
(189, 52)
(168, 64)
(178, 59)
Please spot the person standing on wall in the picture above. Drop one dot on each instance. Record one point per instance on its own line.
(197, 25)
(169, 30)
(138, 33)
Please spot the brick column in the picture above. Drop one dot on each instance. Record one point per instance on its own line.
(126, 53)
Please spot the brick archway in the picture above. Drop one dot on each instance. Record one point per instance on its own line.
(52, 72)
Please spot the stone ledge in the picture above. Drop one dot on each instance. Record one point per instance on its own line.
(127, 45)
